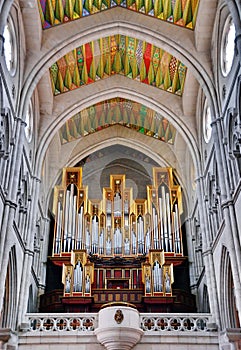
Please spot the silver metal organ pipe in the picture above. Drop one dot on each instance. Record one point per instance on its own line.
(155, 238)
(108, 213)
(58, 229)
(101, 242)
(133, 239)
(87, 240)
(157, 277)
(74, 223)
(108, 246)
(156, 274)
(147, 241)
(178, 240)
(174, 231)
(70, 218)
(126, 213)
(169, 222)
(95, 229)
(154, 277)
(115, 242)
(156, 231)
(160, 278)
(161, 223)
(164, 217)
(117, 205)
(80, 229)
(66, 217)
(140, 232)
(118, 240)
(78, 276)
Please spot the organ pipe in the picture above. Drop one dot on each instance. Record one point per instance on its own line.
(124, 226)
(161, 224)
(169, 229)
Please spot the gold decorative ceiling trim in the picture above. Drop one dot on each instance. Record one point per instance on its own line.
(118, 54)
(180, 12)
(130, 114)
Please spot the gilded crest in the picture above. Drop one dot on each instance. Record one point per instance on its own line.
(119, 316)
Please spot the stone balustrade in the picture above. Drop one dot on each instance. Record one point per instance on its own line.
(89, 322)
(174, 322)
(62, 322)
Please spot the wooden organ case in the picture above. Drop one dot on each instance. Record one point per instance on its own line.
(118, 249)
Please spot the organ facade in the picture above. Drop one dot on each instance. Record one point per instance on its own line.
(118, 249)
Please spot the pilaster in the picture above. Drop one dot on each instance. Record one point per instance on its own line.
(28, 256)
(228, 210)
(207, 256)
(9, 211)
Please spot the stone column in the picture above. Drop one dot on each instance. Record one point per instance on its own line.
(28, 256)
(10, 205)
(207, 256)
(190, 248)
(228, 209)
(44, 255)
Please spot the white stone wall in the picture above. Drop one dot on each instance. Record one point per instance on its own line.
(151, 341)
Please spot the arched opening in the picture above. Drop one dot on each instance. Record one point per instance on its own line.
(8, 318)
(30, 300)
(205, 306)
(230, 318)
(233, 312)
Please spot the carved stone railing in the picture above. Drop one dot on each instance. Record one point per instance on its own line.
(89, 322)
(62, 322)
(174, 322)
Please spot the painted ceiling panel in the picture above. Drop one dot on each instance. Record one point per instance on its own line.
(118, 111)
(179, 12)
(118, 54)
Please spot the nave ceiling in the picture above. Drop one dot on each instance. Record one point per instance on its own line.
(118, 73)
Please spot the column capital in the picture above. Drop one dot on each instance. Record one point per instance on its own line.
(36, 179)
(20, 120)
(216, 121)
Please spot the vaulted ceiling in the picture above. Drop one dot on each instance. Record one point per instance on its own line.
(125, 73)
(179, 12)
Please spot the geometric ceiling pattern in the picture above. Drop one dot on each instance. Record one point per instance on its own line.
(179, 12)
(118, 111)
(118, 54)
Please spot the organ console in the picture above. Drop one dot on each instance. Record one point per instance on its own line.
(117, 248)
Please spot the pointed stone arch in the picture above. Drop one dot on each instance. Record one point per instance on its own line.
(8, 315)
(229, 314)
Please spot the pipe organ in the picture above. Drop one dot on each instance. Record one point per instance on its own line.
(117, 248)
